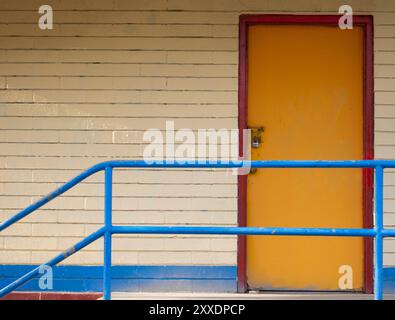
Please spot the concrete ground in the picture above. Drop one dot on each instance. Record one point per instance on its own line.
(247, 296)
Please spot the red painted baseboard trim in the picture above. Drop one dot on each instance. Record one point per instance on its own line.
(52, 296)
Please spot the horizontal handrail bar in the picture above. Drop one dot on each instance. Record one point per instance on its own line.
(59, 258)
(253, 164)
(245, 231)
(388, 232)
(196, 164)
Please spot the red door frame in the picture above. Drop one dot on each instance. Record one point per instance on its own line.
(366, 22)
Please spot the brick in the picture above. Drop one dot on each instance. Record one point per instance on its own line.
(15, 257)
(14, 202)
(385, 97)
(202, 84)
(385, 152)
(138, 244)
(224, 244)
(30, 136)
(157, 258)
(125, 257)
(203, 57)
(225, 31)
(381, 57)
(214, 258)
(180, 243)
(19, 229)
(128, 217)
(385, 111)
(387, 44)
(389, 219)
(384, 138)
(389, 178)
(389, 205)
(42, 216)
(33, 83)
(29, 243)
(57, 230)
(216, 218)
(384, 71)
(384, 124)
(85, 258)
(189, 70)
(389, 259)
(41, 123)
(3, 83)
(86, 217)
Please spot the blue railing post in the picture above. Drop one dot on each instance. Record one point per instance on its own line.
(107, 233)
(378, 255)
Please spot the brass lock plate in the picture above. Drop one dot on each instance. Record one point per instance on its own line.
(256, 136)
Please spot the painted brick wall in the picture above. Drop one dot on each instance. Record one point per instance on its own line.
(86, 91)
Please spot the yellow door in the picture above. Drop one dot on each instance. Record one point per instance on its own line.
(305, 87)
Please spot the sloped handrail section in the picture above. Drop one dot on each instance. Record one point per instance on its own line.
(108, 229)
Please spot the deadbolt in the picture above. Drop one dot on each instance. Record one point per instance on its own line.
(256, 140)
(256, 136)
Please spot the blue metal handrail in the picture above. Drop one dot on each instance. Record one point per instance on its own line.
(379, 232)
